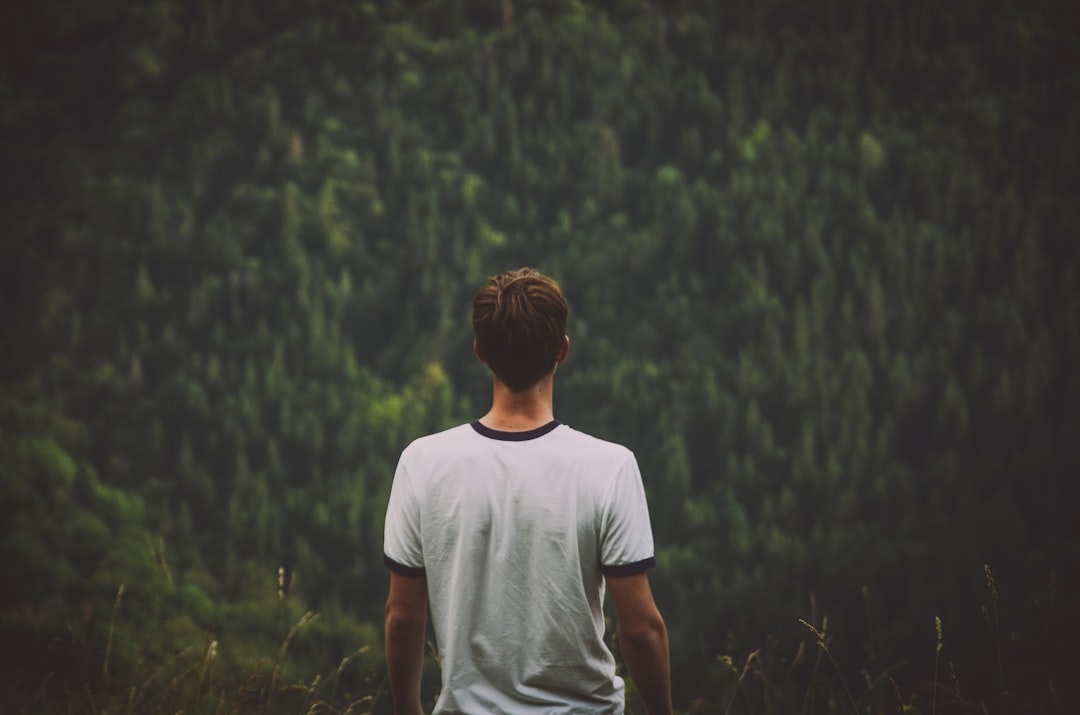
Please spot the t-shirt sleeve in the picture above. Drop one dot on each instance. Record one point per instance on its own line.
(626, 545)
(402, 547)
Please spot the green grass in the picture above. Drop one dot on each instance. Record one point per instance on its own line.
(122, 672)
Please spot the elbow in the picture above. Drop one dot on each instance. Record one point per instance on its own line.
(644, 632)
(399, 619)
(396, 618)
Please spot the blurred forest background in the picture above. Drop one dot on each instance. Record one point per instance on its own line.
(824, 278)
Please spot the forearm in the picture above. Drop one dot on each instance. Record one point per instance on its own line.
(405, 661)
(646, 654)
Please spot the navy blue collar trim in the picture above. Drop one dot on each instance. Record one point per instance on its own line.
(514, 436)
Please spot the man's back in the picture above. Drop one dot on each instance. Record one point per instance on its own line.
(507, 527)
(514, 531)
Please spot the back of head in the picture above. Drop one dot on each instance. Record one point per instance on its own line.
(519, 321)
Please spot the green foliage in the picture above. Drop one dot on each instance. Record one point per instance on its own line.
(820, 258)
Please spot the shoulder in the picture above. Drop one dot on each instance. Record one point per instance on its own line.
(437, 442)
(583, 444)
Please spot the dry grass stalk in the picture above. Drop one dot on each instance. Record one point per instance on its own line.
(822, 642)
(937, 657)
(729, 664)
(112, 626)
(995, 630)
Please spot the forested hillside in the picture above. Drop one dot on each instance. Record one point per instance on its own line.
(824, 279)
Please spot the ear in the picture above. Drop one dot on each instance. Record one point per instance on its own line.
(479, 355)
(564, 350)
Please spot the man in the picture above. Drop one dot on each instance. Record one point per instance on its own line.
(510, 527)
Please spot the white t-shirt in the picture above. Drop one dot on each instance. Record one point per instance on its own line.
(514, 532)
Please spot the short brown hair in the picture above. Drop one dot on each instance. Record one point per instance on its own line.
(519, 322)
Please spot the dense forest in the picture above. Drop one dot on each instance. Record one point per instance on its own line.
(824, 278)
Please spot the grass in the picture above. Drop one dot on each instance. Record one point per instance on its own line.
(154, 659)
(1025, 680)
(193, 681)
(200, 680)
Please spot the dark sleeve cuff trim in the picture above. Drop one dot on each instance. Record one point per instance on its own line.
(629, 569)
(402, 569)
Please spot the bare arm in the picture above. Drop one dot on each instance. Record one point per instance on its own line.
(643, 639)
(406, 627)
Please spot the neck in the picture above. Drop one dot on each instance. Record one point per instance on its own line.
(520, 411)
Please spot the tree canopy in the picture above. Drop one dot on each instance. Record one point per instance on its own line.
(821, 260)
